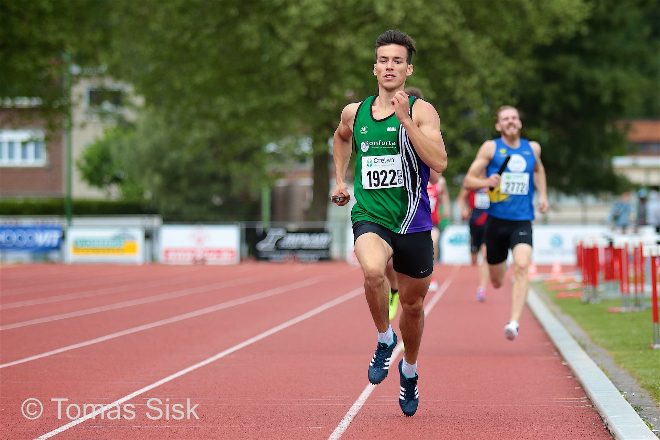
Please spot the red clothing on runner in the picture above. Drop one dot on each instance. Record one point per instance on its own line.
(433, 190)
(478, 216)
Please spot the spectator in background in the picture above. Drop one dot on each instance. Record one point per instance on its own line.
(620, 213)
(640, 219)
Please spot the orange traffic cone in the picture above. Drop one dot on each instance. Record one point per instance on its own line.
(556, 270)
(533, 271)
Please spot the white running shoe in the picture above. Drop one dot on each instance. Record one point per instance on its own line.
(434, 285)
(481, 294)
(511, 330)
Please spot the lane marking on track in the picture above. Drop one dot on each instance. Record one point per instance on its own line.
(92, 293)
(129, 303)
(59, 284)
(273, 330)
(194, 314)
(103, 291)
(366, 392)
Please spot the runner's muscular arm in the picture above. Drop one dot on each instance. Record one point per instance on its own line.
(474, 179)
(423, 130)
(539, 178)
(342, 149)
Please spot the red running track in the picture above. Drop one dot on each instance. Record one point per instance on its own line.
(265, 351)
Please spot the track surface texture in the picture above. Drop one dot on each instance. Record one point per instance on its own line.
(270, 351)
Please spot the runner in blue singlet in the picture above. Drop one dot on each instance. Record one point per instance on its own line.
(514, 172)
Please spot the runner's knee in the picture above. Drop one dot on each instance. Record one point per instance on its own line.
(373, 276)
(496, 278)
(414, 306)
(521, 267)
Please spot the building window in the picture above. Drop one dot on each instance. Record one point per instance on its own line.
(650, 148)
(104, 99)
(22, 148)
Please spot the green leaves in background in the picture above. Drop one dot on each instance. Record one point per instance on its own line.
(223, 79)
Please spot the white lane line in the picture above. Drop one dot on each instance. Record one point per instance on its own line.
(366, 392)
(91, 293)
(23, 290)
(177, 318)
(278, 328)
(104, 290)
(130, 303)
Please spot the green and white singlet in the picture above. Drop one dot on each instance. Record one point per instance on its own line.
(390, 178)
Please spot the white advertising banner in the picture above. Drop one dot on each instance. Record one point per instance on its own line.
(455, 245)
(105, 245)
(556, 243)
(200, 244)
(552, 243)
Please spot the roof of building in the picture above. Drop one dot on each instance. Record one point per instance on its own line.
(643, 130)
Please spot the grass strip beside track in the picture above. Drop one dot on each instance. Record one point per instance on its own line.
(625, 336)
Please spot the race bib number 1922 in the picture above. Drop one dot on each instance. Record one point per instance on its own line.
(380, 172)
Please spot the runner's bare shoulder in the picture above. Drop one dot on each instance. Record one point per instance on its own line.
(348, 114)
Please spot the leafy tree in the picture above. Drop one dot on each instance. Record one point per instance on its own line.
(479, 64)
(224, 81)
(35, 35)
(178, 172)
(111, 161)
(583, 84)
(261, 71)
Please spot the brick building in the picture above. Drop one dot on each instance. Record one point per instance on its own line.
(31, 156)
(641, 164)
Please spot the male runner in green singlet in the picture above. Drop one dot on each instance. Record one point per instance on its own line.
(397, 141)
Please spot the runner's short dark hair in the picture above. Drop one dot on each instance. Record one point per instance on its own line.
(395, 36)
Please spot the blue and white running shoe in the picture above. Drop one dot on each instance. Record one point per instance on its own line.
(408, 393)
(380, 363)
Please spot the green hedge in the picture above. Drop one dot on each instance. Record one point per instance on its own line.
(80, 207)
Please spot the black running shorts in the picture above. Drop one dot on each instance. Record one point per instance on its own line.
(412, 253)
(502, 235)
(477, 237)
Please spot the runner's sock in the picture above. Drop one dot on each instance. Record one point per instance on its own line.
(409, 371)
(387, 337)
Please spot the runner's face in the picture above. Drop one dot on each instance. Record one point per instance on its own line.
(391, 68)
(509, 123)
